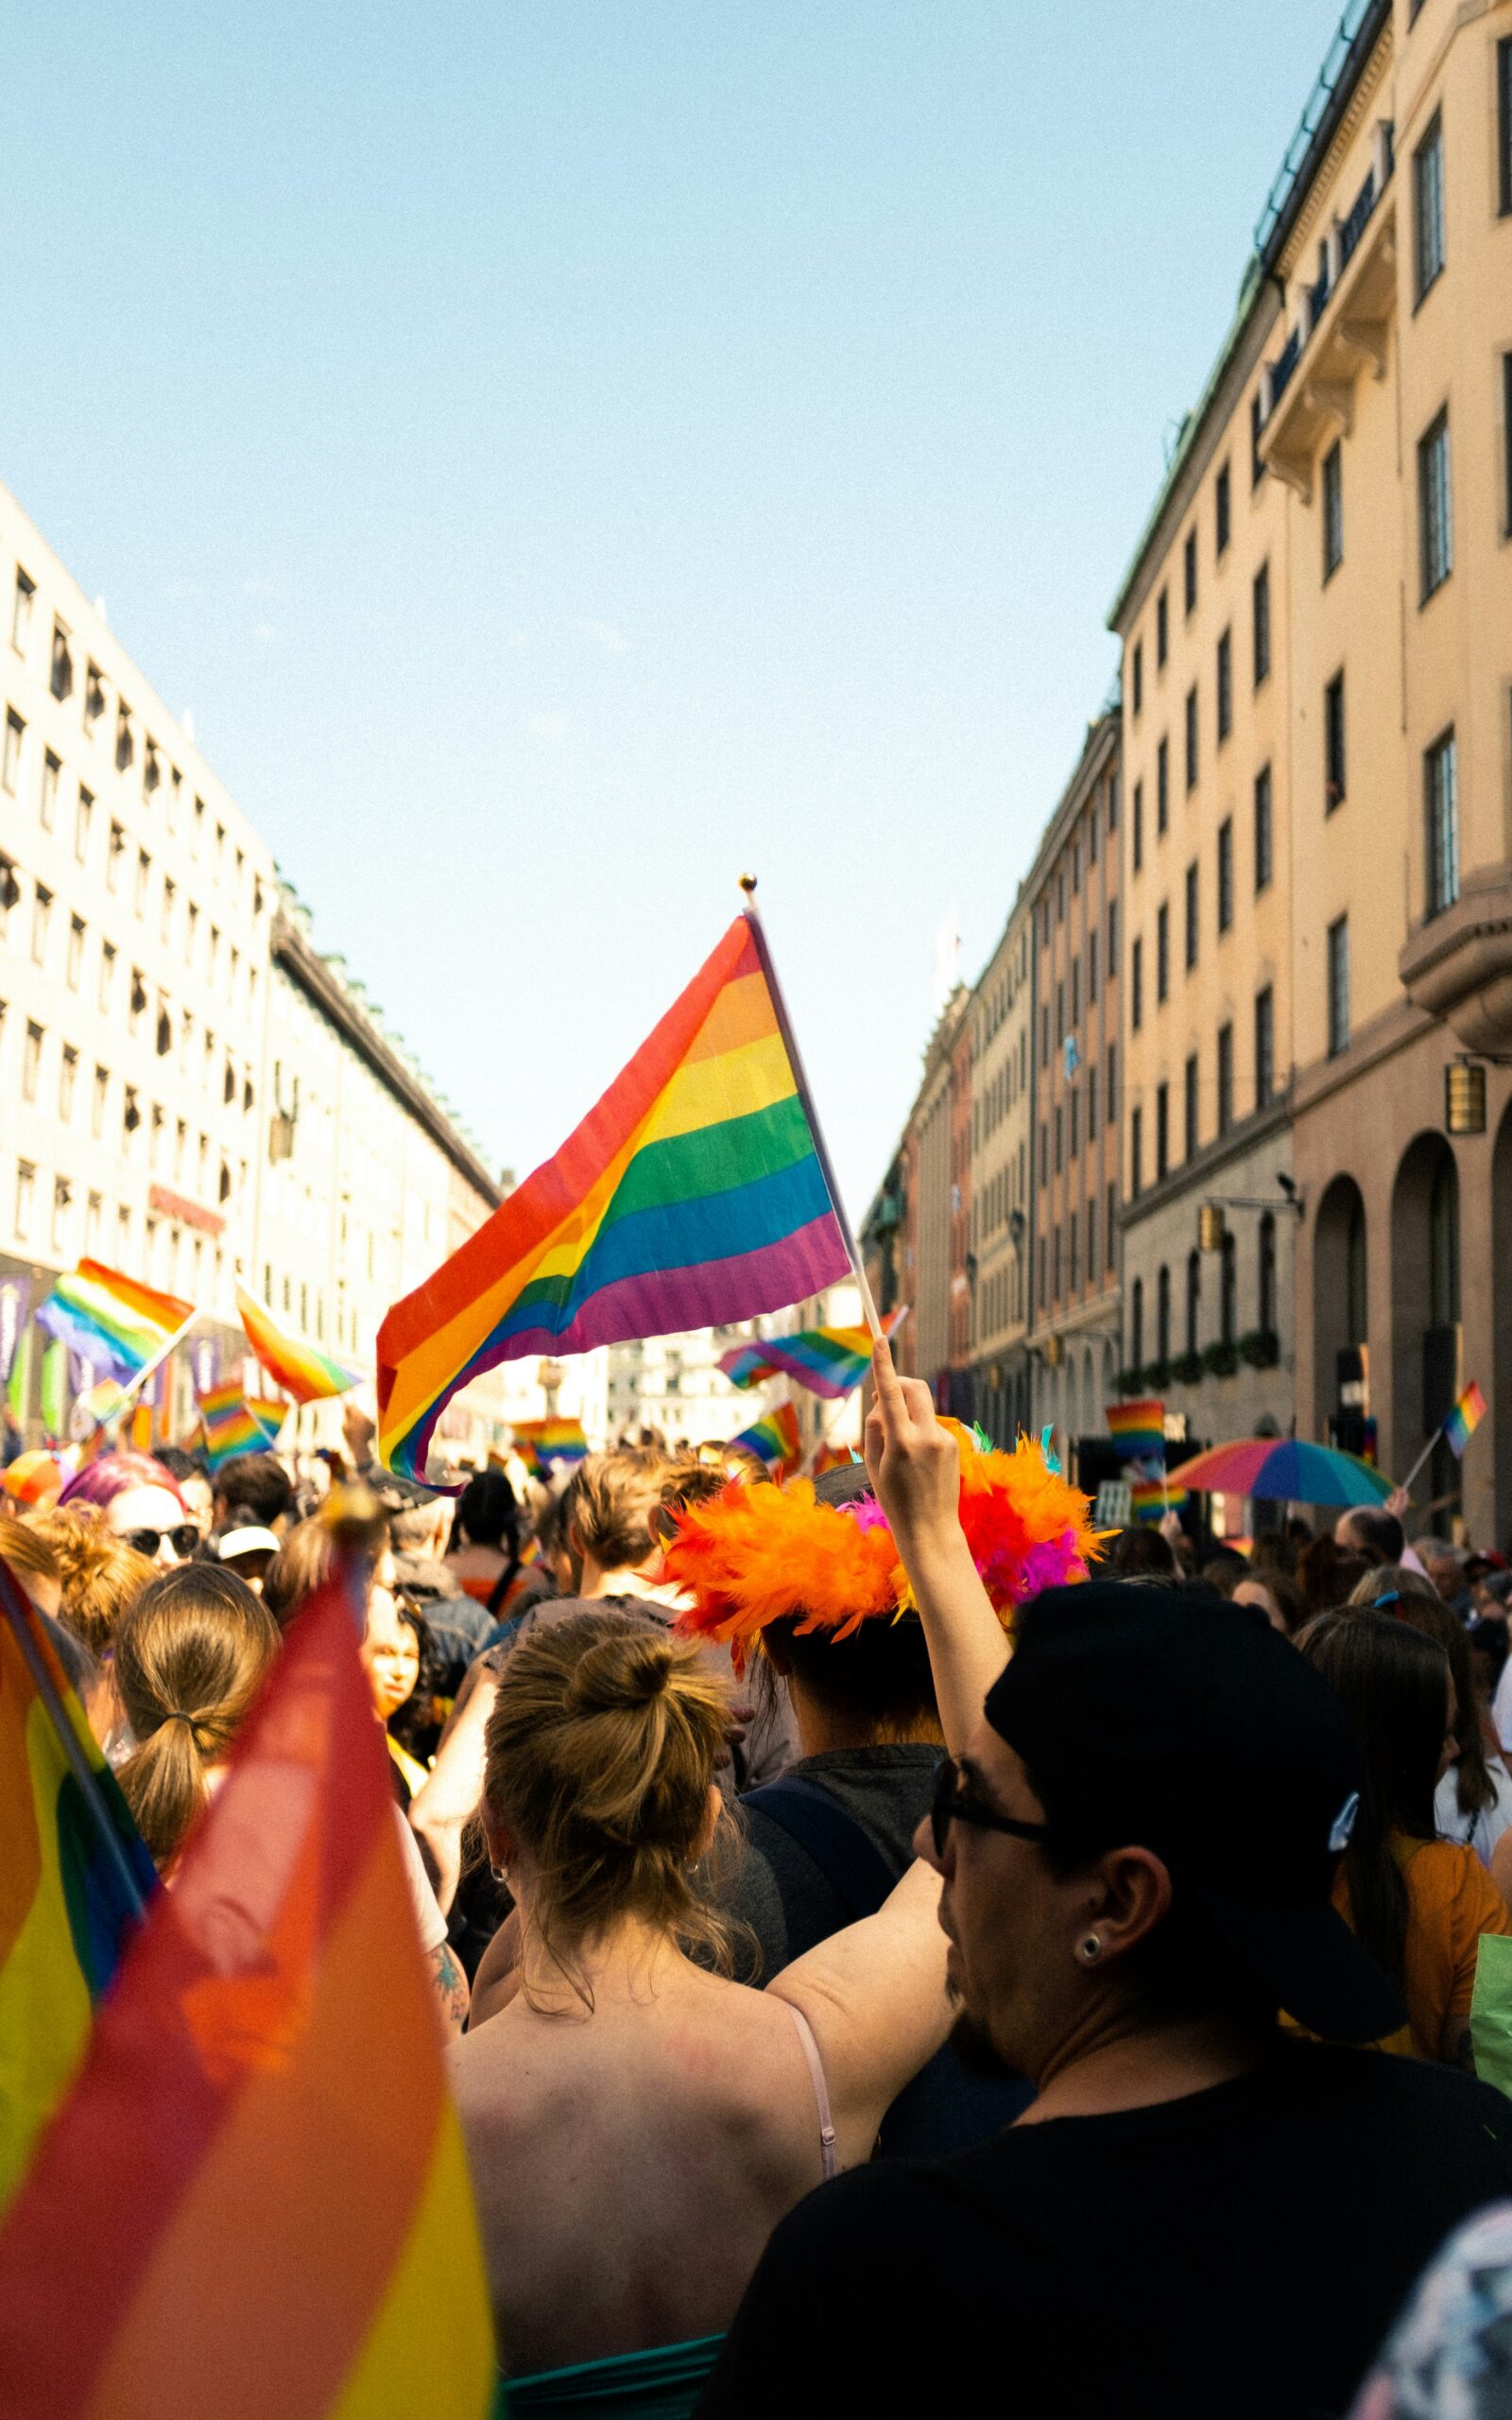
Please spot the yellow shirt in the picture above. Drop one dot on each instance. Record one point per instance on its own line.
(1450, 1902)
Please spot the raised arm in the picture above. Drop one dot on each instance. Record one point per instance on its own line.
(449, 1793)
(875, 1997)
(916, 1470)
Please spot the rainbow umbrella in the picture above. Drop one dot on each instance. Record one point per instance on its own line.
(1289, 1469)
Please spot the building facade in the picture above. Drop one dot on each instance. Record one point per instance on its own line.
(1001, 1159)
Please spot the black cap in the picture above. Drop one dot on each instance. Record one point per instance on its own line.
(1192, 1728)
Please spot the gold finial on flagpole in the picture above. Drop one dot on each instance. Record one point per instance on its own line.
(747, 883)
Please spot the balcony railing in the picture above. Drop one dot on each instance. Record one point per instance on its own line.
(1339, 250)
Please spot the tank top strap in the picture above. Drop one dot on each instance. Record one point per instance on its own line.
(829, 2162)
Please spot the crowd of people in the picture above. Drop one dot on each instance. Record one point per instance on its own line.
(874, 1962)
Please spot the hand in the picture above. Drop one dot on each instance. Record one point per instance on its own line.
(359, 1432)
(1399, 1503)
(912, 1461)
(1170, 1526)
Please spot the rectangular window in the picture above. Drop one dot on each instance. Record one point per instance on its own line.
(1112, 802)
(1263, 829)
(1261, 624)
(1338, 986)
(1435, 511)
(26, 1196)
(42, 923)
(67, 1077)
(1075, 992)
(1225, 687)
(1060, 1136)
(1092, 1107)
(1162, 786)
(1137, 675)
(98, 1099)
(76, 952)
(1162, 952)
(107, 975)
(1223, 515)
(1091, 969)
(1504, 129)
(1190, 1106)
(1441, 804)
(1136, 985)
(1257, 424)
(1506, 436)
(1162, 629)
(1334, 758)
(20, 611)
(30, 1062)
(1076, 1122)
(1333, 509)
(1136, 1154)
(1191, 737)
(114, 858)
(82, 817)
(10, 754)
(1137, 834)
(1264, 1047)
(1428, 208)
(1226, 1078)
(1112, 1083)
(1226, 873)
(1092, 1240)
(1163, 1132)
(1058, 1261)
(1112, 939)
(47, 803)
(1192, 911)
(1189, 573)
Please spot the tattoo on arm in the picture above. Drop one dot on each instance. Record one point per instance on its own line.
(451, 1989)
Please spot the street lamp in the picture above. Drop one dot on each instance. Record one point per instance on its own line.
(1465, 1096)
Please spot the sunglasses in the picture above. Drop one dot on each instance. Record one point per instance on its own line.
(955, 1799)
(184, 1539)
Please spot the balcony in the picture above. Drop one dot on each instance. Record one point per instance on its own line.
(1458, 966)
(1342, 325)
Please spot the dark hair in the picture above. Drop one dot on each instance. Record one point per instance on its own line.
(879, 1675)
(304, 1562)
(1394, 1686)
(1290, 1602)
(486, 1511)
(1327, 1572)
(180, 1465)
(1378, 1535)
(1413, 1602)
(257, 1482)
(1225, 1569)
(1141, 1552)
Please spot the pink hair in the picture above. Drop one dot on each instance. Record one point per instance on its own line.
(100, 1481)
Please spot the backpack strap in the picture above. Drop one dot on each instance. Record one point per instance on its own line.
(847, 1857)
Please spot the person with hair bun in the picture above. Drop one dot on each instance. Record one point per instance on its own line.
(190, 1658)
(100, 1575)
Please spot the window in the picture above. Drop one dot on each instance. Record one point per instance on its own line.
(76, 952)
(1226, 1078)
(1162, 1315)
(1192, 911)
(1137, 675)
(107, 975)
(1076, 1122)
(1222, 509)
(1190, 1105)
(83, 815)
(1057, 1287)
(1333, 509)
(144, 876)
(1441, 804)
(93, 1223)
(1428, 207)
(1503, 136)
(1060, 1136)
(98, 1099)
(1092, 1107)
(1162, 786)
(67, 1077)
(1045, 1036)
(10, 757)
(20, 611)
(1162, 629)
(1044, 1152)
(1338, 986)
(1136, 1323)
(1263, 829)
(169, 893)
(124, 743)
(1264, 1047)
(1092, 1240)
(1257, 424)
(1138, 828)
(62, 675)
(1191, 737)
(1111, 1224)
(1260, 596)
(114, 858)
(1506, 435)
(47, 803)
(93, 698)
(1136, 1153)
(1228, 1297)
(42, 924)
(1091, 969)
(1266, 1304)
(1075, 991)
(1225, 687)
(1162, 952)
(1193, 1299)
(31, 1063)
(1112, 801)
(1435, 509)
(26, 1196)
(1189, 572)
(1333, 762)
(1112, 1083)
(1136, 985)
(1112, 939)
(1226, 873)
(1092, 827)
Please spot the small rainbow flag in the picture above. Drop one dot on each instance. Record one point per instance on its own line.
(111, 1320)
(253, 2230)
(270, 1411)
(302, 1370)
(1465, 1419)
(1149, 1499)
(828, 1360)
(231, 1425)
(774, 1440)
(550, 1440)
(746, 1365)
(692, 1195)
(65, 1911)
(1138, 1429)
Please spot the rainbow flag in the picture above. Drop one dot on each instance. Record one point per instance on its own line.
(550, 1440)
(1138, 1429)
(834, 1458)
(231, 1425)
(746, 1365)
(692, 1196)
(302, 1370)
(111, 1320)
(1149, 1499)
(270, 1412)
(1465, 1419)
(775, 1439)
(828, 1360)
(258, 2165)
(65, 1910)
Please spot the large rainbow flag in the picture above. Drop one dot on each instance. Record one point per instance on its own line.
(110, 1319)
(692, 1195)
(231, 1425)
(775, 1439)
(301, 1369)
(67, 1901)
(258, 2170)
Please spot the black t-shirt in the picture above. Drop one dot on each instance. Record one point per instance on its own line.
(1240, 2253)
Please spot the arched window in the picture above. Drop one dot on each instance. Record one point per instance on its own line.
(1136, 1324)
(1162, 1315)
(1267, 1273)
(1194, 1300)
(1443, 1245)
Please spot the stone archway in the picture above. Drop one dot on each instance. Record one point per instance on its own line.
(1340, 1305)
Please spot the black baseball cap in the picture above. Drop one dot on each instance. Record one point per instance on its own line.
(1189, 1726)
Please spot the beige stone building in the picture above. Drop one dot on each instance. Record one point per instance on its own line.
(1001, 1156)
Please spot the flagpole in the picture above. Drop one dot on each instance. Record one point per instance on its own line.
(147, 1371)
(821, 1150)
(1406, 1484)
(14, 1609)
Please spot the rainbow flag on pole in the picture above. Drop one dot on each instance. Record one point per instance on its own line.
(828, 1360)
(258, 2169)
(1465, 1419)
(692, 1195)
(1138, 1429)
(302, 1370)
(775, 1439)
(231, 1425)
(68, 1898)
(1149, 1499)
(110, 1319)
(541, 1443)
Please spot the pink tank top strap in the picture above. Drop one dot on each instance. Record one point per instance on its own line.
(829, 2162)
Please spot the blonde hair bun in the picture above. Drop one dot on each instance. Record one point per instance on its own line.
(619, 1673)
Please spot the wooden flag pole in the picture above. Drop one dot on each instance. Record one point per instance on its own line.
(1406, 1484)
(821, 1150)
(147, 1371)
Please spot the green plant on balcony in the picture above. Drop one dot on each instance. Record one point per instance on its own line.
(1128, 1385)
(1222, 1360)
(1261, 1347)
(1187, 1369)
(1155, 1376)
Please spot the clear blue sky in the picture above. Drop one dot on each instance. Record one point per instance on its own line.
(567, 451)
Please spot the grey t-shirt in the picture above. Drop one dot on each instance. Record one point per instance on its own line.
(777, 1889)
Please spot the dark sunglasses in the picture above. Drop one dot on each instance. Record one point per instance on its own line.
(955, 1799)
(184, 1539)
